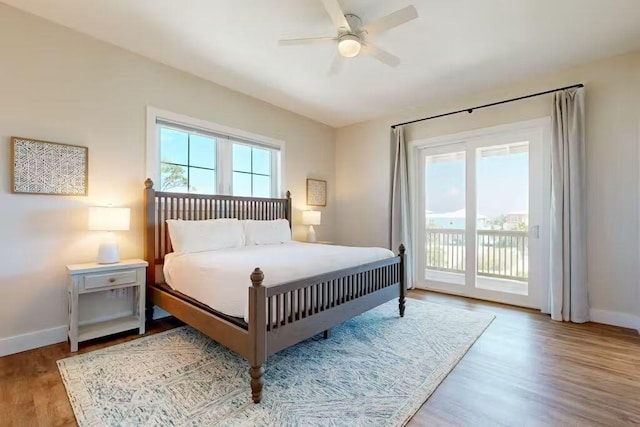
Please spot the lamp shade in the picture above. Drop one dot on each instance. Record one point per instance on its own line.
(104, 218)
(311, 217)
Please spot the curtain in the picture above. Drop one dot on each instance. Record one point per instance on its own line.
(568, 297)
(401, 205)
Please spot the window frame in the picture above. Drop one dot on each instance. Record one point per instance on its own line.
(188, 165)
(224, 171)
(230, 171)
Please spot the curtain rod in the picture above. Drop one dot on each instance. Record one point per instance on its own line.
(470, 110)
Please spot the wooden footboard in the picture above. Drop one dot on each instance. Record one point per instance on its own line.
(283, 315)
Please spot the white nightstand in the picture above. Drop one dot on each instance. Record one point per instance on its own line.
(93, 277)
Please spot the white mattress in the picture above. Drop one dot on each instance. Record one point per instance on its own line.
(220, 278)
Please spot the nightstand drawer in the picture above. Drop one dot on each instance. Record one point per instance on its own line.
(94, 281)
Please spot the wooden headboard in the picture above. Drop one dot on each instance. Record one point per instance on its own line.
(161, 206)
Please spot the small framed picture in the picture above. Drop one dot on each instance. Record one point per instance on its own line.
(316, 192)
(41, 167)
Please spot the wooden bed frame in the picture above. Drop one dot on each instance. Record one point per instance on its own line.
(280, 315)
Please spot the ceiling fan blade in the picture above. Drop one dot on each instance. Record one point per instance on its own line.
(336, 64)
(381, 55)
(392, 20)
(312, 40)
(337, 15)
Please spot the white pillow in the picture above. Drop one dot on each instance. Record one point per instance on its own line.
(266, 232)
(207, 235)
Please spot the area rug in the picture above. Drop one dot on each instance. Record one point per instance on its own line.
(376, 370)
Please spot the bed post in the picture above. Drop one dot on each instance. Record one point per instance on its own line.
(150, 243)
(257, 332)
(289, 209)
(403, 284)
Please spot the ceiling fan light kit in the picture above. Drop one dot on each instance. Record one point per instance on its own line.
(349, 46)
(352, 35)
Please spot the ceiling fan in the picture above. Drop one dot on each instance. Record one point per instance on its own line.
(352, 34)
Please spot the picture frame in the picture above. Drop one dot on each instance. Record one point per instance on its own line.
(316, 192)
(52, 168)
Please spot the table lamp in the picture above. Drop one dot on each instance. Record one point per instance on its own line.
(109, 219)
(311, 218)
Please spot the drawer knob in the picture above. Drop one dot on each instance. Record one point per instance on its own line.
(111, 280)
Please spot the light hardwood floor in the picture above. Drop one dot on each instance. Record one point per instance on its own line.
(525, 370)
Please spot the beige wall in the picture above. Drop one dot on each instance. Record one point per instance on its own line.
(62, 86)
(613, 122)
(58, 85)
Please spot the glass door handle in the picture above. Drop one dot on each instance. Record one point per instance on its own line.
(534, 231)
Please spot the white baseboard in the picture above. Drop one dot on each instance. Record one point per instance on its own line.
(625, 320)
(31, 340)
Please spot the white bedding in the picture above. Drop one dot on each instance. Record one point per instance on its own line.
(220, 278)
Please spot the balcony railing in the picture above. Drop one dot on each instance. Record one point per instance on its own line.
(500, 254)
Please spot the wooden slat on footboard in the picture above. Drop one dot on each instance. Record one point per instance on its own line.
(291, 333)
(303, 308)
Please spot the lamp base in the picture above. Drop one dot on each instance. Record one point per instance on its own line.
(311, 235)
(108, 252)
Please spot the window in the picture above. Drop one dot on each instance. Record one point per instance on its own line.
(251, 171)
(192, 158)
(187, 162)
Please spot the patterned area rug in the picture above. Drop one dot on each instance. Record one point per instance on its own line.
(376, 370)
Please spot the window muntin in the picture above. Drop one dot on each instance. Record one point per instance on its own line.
(251, 171)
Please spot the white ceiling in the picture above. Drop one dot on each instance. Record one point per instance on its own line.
(453, 47)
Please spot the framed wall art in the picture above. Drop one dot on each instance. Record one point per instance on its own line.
(316, 192)
(41, 167)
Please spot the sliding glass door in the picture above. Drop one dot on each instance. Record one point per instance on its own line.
(481, 202)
